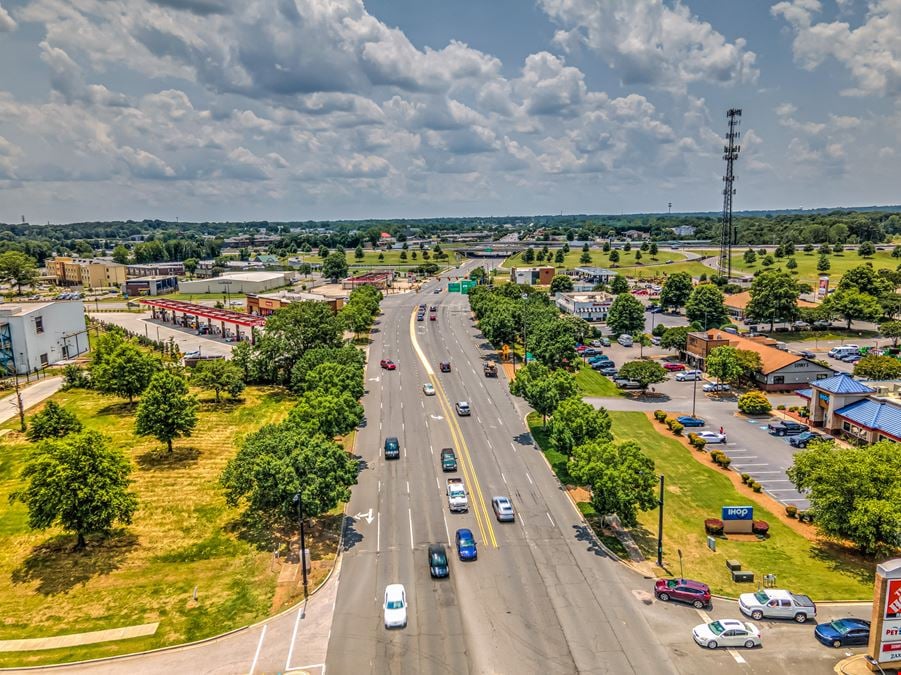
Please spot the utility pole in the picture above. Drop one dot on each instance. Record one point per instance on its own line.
(730, 154)
(303, 558)
(660, 527)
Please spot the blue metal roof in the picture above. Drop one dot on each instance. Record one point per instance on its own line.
(879, 415)
(842, 384)
(806, 393)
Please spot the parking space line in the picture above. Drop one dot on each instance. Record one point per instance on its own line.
(755, 464)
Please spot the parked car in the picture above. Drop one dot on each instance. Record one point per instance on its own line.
(689, 421)
(388, 364)
(395, 606)
(609, 370)
(428, 389)
(581, 348)
(727, 633)
(444, 366)
(786, 428)
(462, 408)
(674, 367)
(605, 342)
(843, 632)
(604, 365)
(712, 436)
(597, 359)
(807, 354)
(852, 358)
(628, 384)
(805, 437)
(596, 343)
(503, 509)
(625, 340)
(683, 590)
(688, 375)
(655, 341)
(466, 545)
(772, 603)
(438, 567)
(716, 387)
(591, 351)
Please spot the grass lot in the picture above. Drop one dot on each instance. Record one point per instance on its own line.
(807, 263)
(601, 259)
(696, 491)
(392, 257)
(592, 383)
(183, 536)
(821, 335)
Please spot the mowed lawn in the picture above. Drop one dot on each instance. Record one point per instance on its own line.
(391, 257)
(601, 259)
(592, 383)
(807, 263)
(183, 536)
(696, 491)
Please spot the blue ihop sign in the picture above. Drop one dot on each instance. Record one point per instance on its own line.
(738, 513)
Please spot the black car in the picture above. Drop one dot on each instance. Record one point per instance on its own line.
(786, 428)
(802, 439)
(444, 366)
(392, 448)
(438, 566)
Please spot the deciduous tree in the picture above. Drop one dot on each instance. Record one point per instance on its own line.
(543, 388)
(18, 269)
(676, 290)
(329, 413)
(334, 266)
(576, 422)
(774, 295)
(852, 305)
(166, 411)
(878, 367)
(705, 306)
(645, 373)
(561, 283)
(626, 315)
(891, 329)
(126, 371)
(218, 375)
(619, 285)
(724, 364)
(53, 421)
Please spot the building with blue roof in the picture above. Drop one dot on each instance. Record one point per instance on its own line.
(844, 406)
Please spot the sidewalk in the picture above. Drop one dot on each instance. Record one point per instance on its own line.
(32, 394)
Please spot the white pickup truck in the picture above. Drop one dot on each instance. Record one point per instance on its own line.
(771, 603)
(457, 500)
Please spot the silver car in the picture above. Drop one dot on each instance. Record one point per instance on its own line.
(462, 408)
(503, 509)
(727, 633)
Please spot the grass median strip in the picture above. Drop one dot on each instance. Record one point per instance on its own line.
(694, 491)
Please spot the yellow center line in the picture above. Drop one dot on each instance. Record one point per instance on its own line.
(480, 510)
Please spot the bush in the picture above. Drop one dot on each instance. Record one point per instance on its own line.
(791, 511)
(660, 415)
(805, 516)
(757, 487)
(745, 478)
(793, 408)
(760, 527)
(754, 402)
(804, 411)
(701, 443)
(716, 456)
(713, 526)
(725, 461)
(75, 377)
(676, 428)
(780, 407)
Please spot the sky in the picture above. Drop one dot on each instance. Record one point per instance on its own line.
(347, 109)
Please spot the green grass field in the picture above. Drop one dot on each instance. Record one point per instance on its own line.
(592, 383)
(806, 271)
(391, 257)
(183, 535)
(695, 491)
(601, 259)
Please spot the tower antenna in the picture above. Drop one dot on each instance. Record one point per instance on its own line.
(730, 154)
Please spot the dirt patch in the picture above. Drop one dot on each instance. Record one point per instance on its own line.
(579, 494)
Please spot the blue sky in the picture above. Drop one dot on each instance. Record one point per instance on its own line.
(314, 109)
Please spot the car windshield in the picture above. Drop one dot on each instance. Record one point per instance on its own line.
(842, 626)
(761, 597)
(394, 604)
(466, 541)
(716, 627)
(438, 560)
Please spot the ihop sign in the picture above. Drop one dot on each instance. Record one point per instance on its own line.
(738, 519)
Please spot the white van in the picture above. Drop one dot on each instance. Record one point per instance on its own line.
(844, 350)
(625, 340)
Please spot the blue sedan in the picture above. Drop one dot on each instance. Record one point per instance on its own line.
(689, 421)
(466, 545)
(843, 632)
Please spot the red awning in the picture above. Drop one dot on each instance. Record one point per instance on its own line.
(202, 311)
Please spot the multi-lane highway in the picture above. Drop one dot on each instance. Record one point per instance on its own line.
(540, 597)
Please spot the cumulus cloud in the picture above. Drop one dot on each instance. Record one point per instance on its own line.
(7, 24)
(870, 51)
(649, 42)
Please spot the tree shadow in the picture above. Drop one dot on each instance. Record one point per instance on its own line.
(352, 536)
(119, 409)
(654, 397)
(525, 438)
(58, 567)
(845, 561)
(225, 405)
(260, 533)
(160, 459)
(586, 536)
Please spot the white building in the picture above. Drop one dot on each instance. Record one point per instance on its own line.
(34, 335)
(592, 306)
(242, 282)
(684, 230)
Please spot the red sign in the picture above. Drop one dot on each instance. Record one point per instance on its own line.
(893, 599)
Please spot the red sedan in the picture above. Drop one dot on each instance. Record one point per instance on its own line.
(672, 367)
(388, 364)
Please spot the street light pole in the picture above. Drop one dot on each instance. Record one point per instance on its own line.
(303, 558)
(660, 527)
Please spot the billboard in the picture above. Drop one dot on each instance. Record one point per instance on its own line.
(823, 287)
(893, 599)
(890, 637)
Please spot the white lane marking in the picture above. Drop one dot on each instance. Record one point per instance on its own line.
(446, 530)
(438, 483)
(735, 655)
(781, 490)
(410, 513)
(753, 464)
(489, 444)
(553, 524)
(403, 426)
(408, 487)
(757, 472)
(380, 425)
(431, 449)
(405, 450)
(256, 656)
(522, 522)
(380, 487)
(793, 500)
(378, 532)
(503, 477)
(513, 445)
(530, 478)
(422, 405)
(300, 613)
(479, 419)
(381, 405)
(401, 405)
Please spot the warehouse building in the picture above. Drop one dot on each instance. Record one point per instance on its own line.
(238, 283)
(34, 335)
(163, 269)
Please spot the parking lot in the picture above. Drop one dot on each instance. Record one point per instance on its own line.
(187, 339)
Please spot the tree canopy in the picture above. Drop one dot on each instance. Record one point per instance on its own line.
(645, 373)
(125, 371)
(705, 306)
(878, 367)
(330, 413)
(576, 422)
(852, 305)
(18, 269)
(626, 315)
(725, 364)
(543, 388)
(774, 296)
(166, 411)
(53, 421)
(290, 332)
(676, 290)
(561, 283)
(218, 375)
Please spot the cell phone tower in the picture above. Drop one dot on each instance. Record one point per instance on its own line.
(730, 154)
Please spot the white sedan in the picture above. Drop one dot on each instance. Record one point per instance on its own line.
(712, 436)
(428, 389)
(688, 376)
(395, 606)
(727, 633)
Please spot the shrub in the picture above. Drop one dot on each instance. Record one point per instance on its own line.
(754, 402)
(757, 487)
(760, 527)
(692, 437)
(701, 444)
(745, 478)
(793, 408)
(780, 407)
(791, 511)
(660, 415)
(75, 377)
(716, 456)
(669, 422)
(805, 516)
(677, 428)
(804, 411)
(725, 461)
(713, 526)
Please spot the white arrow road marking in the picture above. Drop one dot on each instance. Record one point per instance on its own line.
(436, 417)
(367, 516)
(373, 379)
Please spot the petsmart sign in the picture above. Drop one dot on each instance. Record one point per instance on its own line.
(738, 513)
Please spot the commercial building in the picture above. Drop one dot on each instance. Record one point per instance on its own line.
(737, 305)
(780, 370)
(594, 275)
(225, 323)
(532, 276)
(684, 230)
(238, 283)
(264, 304)
(865, 412)
(151, 286)
(86, 272)
(380, 280)
(34, 335)
(162, 269)
(636, 234)
(591, 306)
